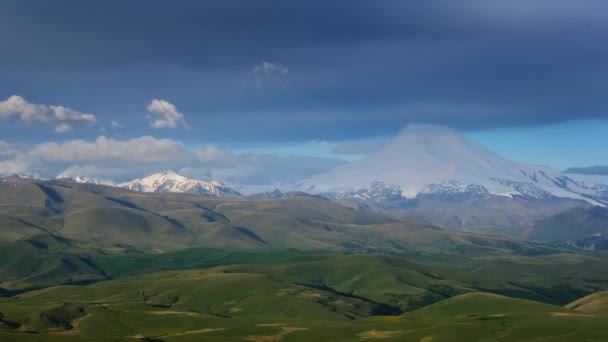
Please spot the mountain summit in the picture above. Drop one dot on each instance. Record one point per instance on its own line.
(426, 159)
(170, 181)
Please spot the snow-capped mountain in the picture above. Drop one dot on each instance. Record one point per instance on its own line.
(83, 180)
(429, 159)
(170, 181)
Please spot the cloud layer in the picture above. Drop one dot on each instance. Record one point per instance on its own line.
(591, 170)
(121, 160)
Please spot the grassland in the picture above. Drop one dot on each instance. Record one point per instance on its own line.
(92, 263)
(292, 296)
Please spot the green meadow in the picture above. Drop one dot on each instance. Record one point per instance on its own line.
(213, 295)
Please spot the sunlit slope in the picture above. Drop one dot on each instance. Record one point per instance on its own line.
(596, 303)
(479, 304)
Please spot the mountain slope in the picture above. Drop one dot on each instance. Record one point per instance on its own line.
(106, 217)
(433, 159)
(585, 228)
(170, 181)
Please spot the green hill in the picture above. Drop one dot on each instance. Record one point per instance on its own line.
(225, 304)
(482, 305)
(44, 260)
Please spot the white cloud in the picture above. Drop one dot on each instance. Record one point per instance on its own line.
(266, 70)
(77, 171)
(210, 153)
(27, 112)
(270, 68)
(14, 166)
(63, 128)
(122, 160)
(116, 125)
(108, 157)
(61, 113)
(31, 112)
(143, 149)
(166, 115)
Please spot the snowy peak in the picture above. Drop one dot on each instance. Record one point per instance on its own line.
(431, 159)
(170, 181)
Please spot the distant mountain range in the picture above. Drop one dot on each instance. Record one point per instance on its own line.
(427, 173)
(166, 181)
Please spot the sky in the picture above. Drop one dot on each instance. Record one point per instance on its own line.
(265, 92)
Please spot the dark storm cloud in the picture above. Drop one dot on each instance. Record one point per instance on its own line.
(196, 34)
(206, 34)
(356, 68)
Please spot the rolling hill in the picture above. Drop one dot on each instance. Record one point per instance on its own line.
(293, 297)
